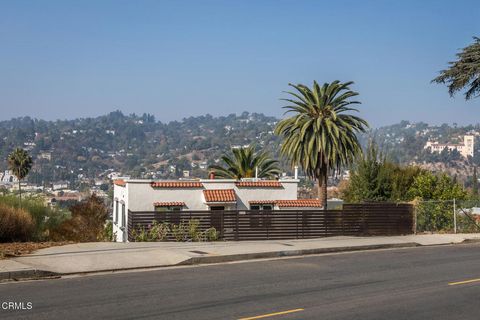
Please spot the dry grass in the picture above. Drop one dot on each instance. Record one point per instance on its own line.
(14, 249)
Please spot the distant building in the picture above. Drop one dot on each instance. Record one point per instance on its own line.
(465, 149)
(47, 155)
(8, 177)
(60, 185)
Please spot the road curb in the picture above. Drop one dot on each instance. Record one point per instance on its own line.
(26, 274)
(289, 253)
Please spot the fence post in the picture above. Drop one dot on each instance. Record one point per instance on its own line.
(454, 216)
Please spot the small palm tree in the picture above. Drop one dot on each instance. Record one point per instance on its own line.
(463, 73)
(246, 163)
(321, 136)
(20, 163)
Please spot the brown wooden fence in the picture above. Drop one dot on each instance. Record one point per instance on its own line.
(353, 220)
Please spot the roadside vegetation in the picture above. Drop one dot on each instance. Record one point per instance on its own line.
(182, 232)
(28, 223)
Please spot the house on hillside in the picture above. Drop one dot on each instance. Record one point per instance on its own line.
(7, 177)
(465, 149)
(131, 196)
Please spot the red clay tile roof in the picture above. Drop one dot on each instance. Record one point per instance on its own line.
(169, 204)
(220, 195)
(299, 203)
(262, 201)
(120, 182)
(259, 184)
(176, 184)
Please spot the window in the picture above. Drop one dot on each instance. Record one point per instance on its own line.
(217, 208)
(115, 217)
(261, 207)
(167, 208)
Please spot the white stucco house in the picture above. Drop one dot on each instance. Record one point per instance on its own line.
(132, 196)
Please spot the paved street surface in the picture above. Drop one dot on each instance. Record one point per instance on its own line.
(108, 256)
(439, 282)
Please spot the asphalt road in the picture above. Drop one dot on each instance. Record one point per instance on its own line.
(391, 284)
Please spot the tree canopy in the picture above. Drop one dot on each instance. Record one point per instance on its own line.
(321, 136)
(464, 73)
(246, 163)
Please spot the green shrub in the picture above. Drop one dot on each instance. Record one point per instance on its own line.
(15, 224)
(45, 218)
(211, 234)
(194, 232)
(181, 232)
(141, 235)
(156, 232)
(159, 231)
(108, 234)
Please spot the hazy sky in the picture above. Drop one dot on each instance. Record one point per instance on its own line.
(67, 59)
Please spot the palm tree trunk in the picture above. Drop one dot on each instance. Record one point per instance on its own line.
(20, 192)
(322, 190)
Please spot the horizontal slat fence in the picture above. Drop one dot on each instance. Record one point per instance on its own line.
(353, 220)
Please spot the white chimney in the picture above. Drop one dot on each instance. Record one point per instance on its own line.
(296, 172)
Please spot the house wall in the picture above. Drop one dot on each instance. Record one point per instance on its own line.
(120, 194)
(142, 196)
(139, 195)
(287, 192)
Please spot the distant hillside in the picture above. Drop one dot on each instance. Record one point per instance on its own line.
(82, 149)
(135, 145)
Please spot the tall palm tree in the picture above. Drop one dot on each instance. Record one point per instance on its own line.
(20, 163)
(246, 163)
(463, 73)
(321, 135)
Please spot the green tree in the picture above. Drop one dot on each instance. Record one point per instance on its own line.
(374, 178)
(435, 194)
(322, 135)
(370, 179)
(244, 162)
(20, 163)
(464, 72)
(428, 186)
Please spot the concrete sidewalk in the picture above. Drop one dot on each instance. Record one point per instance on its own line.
(109, 256)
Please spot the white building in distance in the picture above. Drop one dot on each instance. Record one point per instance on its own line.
(465, 149)
(8, 177)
